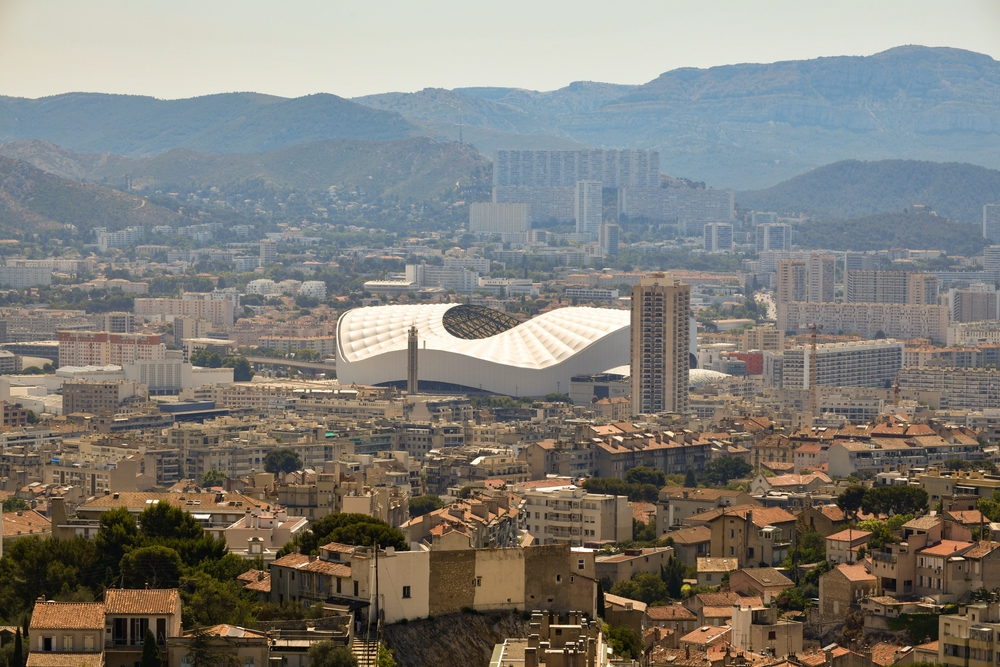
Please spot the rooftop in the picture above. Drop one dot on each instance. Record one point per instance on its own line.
(67, 616)
(141, 602)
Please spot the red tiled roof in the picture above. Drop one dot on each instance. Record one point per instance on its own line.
(141, 601)
(670, 612)
(946, 548)
(67, 616)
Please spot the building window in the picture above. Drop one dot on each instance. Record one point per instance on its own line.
(406, 591)
(248, 661)
(772, 634)
(88, 642)
(579, 564)
(186, 661)
(67, 642)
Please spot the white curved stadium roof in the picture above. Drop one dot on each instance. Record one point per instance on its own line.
(529, 358)
(696, 376)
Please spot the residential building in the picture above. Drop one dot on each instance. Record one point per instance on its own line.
(129, 613)
(758, 629)
(711, 571)
(553, 643)
(570, 515)
(718, 237)
(324, 345)
(763, 337)
(93, 397)
(20, 277)
(543, 168)
(623, 566)
(587, 294)
(958, 388)
(240, 646)
(213, 306)
(870, 363)
(773, 236)
(588, 206)
(753, 534)
(766, 582)
(120, 239)
(792, 281)
(842, 588)
(690, 544)
(499, 218)
(868, 319)
(991, 222)
(904, 287)
(972, 636)
(268, 252)
(842, 547)
(425, 275)
(73, 630)
(973, 305)
(608, 239)
(676, 505)
(93, 348)
(661, 309)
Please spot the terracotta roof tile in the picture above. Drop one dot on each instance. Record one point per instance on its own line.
(28, 522)
(670, 612)
(849, 535)
(855, 572)
(67, 616)
(141, 601)
(54, 659)
(946, 548)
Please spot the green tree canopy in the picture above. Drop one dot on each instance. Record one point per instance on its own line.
(850, 499)
(421, 505)
(689, 479)
(15, 504)
(625, 641)
(242, 370)
(894, 500)
(720, 471)
(150, 651)
(354, 529)
(643, 586)
(152, 567)
(645, 475)
(282, 460)
(329, 654)
(213, 478)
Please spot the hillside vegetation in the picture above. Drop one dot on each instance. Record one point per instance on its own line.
(31, 199)
(228, 123)
(919, 231)
(417, 168)
(852, 189)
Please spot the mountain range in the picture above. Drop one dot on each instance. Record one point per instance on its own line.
(746, 126)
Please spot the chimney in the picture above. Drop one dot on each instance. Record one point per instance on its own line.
(530, 656)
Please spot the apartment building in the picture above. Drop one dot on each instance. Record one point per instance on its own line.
(218, 308)
(773, 236)
(868, 319)
(718, 237)
(752, 534)
(763, 337)
(588, 206)
(570, 515)
(499, 218)
(20, 277)
(324, 345)
(991, 222)
(94, 397)
(93, 348)
(871, 363)
(906, 287)
(972, 636)
(661, 311)
(959, 388)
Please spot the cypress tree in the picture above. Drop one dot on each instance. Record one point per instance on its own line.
(150, 651)
(17, 660)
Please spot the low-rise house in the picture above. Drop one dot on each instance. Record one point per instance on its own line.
(711, 571)
(759, 629)
(842, 587)
(624, 611)
(717, 608)
(231, 643)
(677, 505)
(690, 543)
(752, 534)
(623, 566)
(824, 519)
(763, 581)
(675, 617)
(843, 547)
(489, 522)
(66, 634)
(941, 571)
(24, 523)
(706, 637)
(792, 483)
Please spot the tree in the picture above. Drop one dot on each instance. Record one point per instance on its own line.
(152, 567)
(117, 533)
(643, 532)
(213, 478)
(328, 654)
(423, 504)
(723, 469)
(673, 574)
(242, 370)
(353, 529)
(206, 359)
(208, 601)
(625, 641)
(880, 533)
(894, 500)
(385, 657)
(850, 499)
(15, 504)
(645, 475)
(600, 599)
(282, 460)
(643, 586)
(18, 657)
(150, 651)
(689, 479)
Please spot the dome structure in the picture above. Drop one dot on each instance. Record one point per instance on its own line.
(464, 347)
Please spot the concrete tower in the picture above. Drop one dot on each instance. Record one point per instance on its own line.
(661, 363)
(412, 384)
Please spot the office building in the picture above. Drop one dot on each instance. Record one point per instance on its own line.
(867, 363)
(822, 278)
(660, 359)
(876, 286)
(991, 222)
(894, 320)
(588, 202)
(608, 239)
(19, 277)
(499, 218)
(718, 237)
(101, 348)
(268, 252)
(773, 236)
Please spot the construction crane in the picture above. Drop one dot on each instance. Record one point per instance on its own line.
(895, 391)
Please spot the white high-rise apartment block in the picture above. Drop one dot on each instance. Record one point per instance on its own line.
(499, 218)
(991, 258)
(865, 363)
(119, 239)
(268, 252)
(313, 288)
(19, 277)
(991, 222)
(216, 307)
(718, 237)
(822, 277)
(660, 354)
(588, 203)
(774, 237)
(263, 286)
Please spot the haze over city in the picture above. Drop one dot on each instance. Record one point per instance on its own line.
(388, 334)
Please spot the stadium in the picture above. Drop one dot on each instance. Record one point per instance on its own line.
(472, 348)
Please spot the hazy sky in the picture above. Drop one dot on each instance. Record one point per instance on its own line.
(182, 48)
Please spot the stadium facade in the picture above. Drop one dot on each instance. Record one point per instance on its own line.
(464, 347)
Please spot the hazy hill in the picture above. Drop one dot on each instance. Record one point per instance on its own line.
(753, 125)
(893, 230)
(417, 168)
(31, 199)
(228, 123)
(851, 189)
